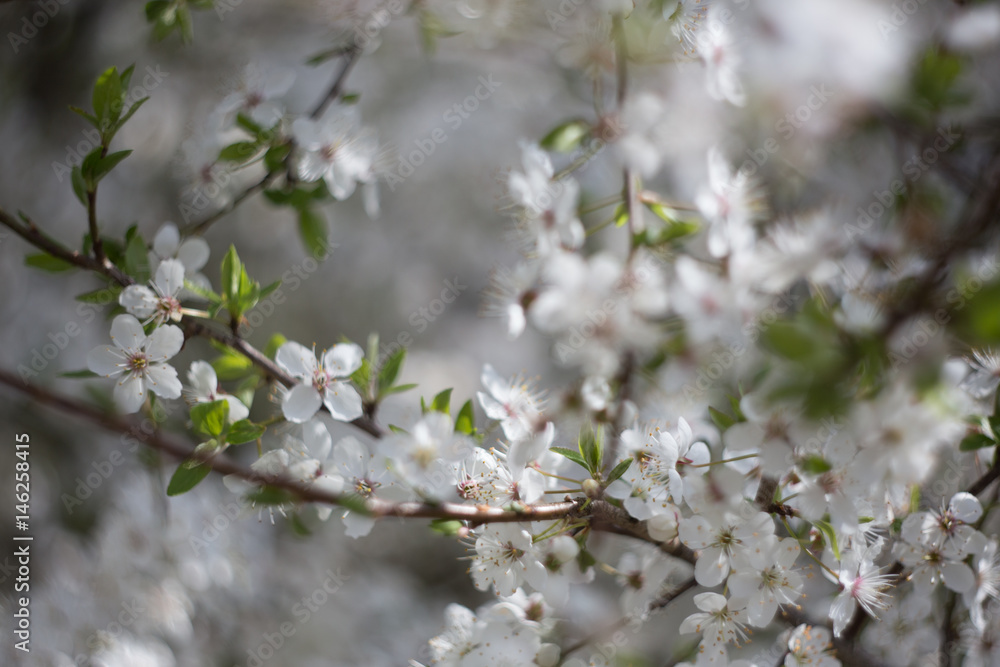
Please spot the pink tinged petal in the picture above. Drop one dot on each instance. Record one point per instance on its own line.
(164, 343)
(493, 408)
(203, 380)
(130, 393)
(138, 300)
(237, 411)
(343, 401)
(300, 404)
(127, 333)
(161, 379)
(712, 567)
(106, 360)
(166, 241)
(296, 359)
(193, 254)
(966, 507)
(342, 359)
(169, 277)
(958, 577)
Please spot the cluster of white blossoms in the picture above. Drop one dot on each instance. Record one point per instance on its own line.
(754, 396)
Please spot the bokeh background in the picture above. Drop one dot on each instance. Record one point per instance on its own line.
(127, 547)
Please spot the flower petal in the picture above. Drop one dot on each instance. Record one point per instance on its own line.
(166, 241)
(193, 254)
(966, 507)
(164, 343)
(130, 392)
(343, 401)
(106, 360)
(169, 277)
(127, 333)
(296, 359)
(138, 300)
(161, 379)
(203, 380)
(301, 403)
(342, 359)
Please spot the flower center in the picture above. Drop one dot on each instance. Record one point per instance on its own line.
(364, 487)
(138, 363)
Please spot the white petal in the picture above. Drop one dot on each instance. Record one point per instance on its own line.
(166, 241)
(202, 378)
(161, 379)
(958, 577)
(237, 411)
(106, 360)
(170, 277)
(342, 359)
(127, 333)
(301, 403)
(317, 439)
(164, 343)
(129, 394)
(193, 254)
(343, 401)
(712, 567)
(966, 507)
(296, 359)
(710, 602)
(138, 300)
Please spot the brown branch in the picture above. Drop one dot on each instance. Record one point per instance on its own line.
(983, 482)
(351, 57)
(476, 514)
(192, 327)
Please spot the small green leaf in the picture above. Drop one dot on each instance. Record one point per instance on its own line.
(79, 184)
(108, 98)
(396, 429)
(136, 259)
(390, 370)
(186, 477)
(566, 137)
(398, 389)
(465, 421)
(232, 365)
(618, 471)
(206, 294)
(100, 297)
(244, 431)
(831, 536)
(720, 419)
(274, 158)
(591, 444)
(621, 215)
(976, 441)
(276, 341)
(47, 262)
(446, 527)
(241, 151)
(571, 454)
(814, 464)
(355, 503)
(210, 418)
(230, 273)
(442, 402)
(270, 495)
(313, 231)
(585, 560)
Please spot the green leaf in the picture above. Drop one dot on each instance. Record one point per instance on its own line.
(363, 376)
(79, 185)
(156, 9)
(585, 560)
(131, 112)
(313, 231)
(47, 262)
(230, 272)
(210, 418)
(244, 431)
(831, 536)
(566, 137)
(618, 471)
(790, 341)
(89, 117)
(100, 297)
(270, 495)
(241, 151)
(814, 464)
(276, 341)
(571, 454)
(206, 294)
(232, 365)
(396, 429)
(79, 374)
(108, 98)
(465, 421)
(591, 444)
(720, 419)
(136, 259)
(442, 402)
(186, 477)
(390, 370)
(976, 441)
(446, 527)
(99, 168)
(398, 389)
(274, 158)
(621, 215)
(247, 389)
